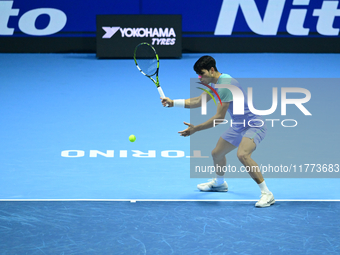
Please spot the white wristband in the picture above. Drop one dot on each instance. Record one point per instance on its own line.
(179, 103)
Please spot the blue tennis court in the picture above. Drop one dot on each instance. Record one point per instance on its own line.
(69, 172)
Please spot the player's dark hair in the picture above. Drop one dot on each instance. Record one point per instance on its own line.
(205, 62)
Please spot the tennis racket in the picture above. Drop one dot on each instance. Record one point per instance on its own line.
(147, 62)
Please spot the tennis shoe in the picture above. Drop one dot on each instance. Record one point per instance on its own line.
(212, 186)
(267, 199)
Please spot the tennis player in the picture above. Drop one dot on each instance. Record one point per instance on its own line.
(240, 134)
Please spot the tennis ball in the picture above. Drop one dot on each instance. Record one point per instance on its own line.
(132, 138)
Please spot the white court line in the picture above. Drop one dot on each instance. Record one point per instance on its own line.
(163, 200)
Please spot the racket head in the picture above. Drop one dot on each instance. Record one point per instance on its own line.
(146, 59)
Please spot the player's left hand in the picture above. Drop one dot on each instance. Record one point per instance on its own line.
(189, 131)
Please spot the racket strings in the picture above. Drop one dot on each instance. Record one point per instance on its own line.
(146, 59)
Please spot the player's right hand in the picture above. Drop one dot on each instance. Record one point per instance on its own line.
(167, 101)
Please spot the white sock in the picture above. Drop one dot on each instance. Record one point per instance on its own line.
(219, 179)
(264, 187)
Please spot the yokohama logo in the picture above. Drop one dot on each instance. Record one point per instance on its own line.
(139, 32)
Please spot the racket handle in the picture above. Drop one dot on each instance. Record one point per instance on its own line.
(161, 93)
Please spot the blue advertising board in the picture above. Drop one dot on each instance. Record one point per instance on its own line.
(302, 21)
